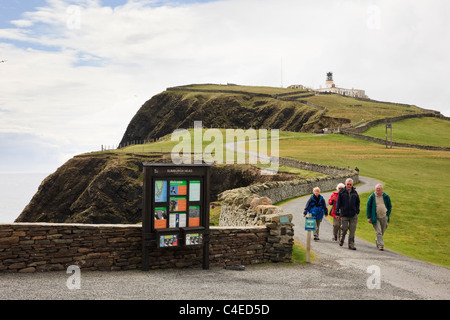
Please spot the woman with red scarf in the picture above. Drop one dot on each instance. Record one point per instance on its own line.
(332, 201)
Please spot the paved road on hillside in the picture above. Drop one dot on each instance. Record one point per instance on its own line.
(337, 273)
(425, 280)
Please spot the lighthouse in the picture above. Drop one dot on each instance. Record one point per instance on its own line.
(329, 83)
(330, 87)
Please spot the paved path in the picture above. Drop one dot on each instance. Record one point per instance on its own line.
(425, 280)
(337, 273)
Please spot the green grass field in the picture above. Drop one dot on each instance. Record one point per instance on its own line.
(358, 110)
(416, 180)
(424, 131)
(250, 89)
(338, 106)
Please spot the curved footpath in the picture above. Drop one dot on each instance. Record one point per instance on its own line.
(420, 279)
(337, 273)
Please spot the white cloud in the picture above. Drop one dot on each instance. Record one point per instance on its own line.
(22, 23)
(79, 73)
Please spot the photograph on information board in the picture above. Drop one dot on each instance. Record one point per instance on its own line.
(160, 217)
(178, 188)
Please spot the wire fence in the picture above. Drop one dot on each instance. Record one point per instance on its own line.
(107, 147)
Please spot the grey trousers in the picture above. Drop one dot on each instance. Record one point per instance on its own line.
(349, 224)
(316, 230)
(380, 227)
(336, 228)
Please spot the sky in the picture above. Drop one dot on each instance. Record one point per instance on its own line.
(76, 72)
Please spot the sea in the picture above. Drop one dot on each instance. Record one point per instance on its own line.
(16, 191)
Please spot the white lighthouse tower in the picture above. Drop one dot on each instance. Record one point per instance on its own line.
(329, 83)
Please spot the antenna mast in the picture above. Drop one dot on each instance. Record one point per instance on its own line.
(282, 72)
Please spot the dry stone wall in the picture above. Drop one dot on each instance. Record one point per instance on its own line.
(252, 231)
(31, 247)
(236, 203)
(253, 205)
(39, 247)
(356, 132)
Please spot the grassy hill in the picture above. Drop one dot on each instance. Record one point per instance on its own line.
(358, 110)
(233, 106)
(417, 180)
(424, 131)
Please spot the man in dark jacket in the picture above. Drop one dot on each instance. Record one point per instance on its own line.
(347, 209)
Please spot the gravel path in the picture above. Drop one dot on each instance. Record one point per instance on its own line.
(337, 273)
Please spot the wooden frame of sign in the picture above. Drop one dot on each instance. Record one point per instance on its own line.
(175, 208)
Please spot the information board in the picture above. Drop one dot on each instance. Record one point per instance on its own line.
(194, 239)
(168, 240)
(175, 207)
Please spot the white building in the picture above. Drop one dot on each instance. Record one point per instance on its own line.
(330, 87)
(297, 86)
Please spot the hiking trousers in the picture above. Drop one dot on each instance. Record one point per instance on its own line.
(349, 224)
(336, 228)
(317, 228)
(380, 227)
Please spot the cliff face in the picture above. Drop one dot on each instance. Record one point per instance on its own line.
(88, 189)
(105, 188)
(169, 110)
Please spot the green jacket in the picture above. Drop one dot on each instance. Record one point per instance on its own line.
(372, 207)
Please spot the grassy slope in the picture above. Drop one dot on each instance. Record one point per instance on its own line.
(416, 180)
(251, 89)
(424, 131)
(337, 105)
(357, 110)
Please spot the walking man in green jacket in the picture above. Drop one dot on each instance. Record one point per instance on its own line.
(379, 208)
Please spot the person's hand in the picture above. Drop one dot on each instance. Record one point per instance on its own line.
(369, 220)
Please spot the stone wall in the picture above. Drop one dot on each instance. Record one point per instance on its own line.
(393, 143)
(252, 205)
(37, 247)
(237, 203)
(328, 170)
(356, 132)
(252, 245)
(30, 247)
(370, 124)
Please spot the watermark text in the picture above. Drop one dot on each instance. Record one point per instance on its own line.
(229, 150)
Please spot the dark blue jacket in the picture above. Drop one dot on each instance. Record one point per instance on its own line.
(317, 207)
(347, 206)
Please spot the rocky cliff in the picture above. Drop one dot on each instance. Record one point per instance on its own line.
(107, 188)
(179, 108)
